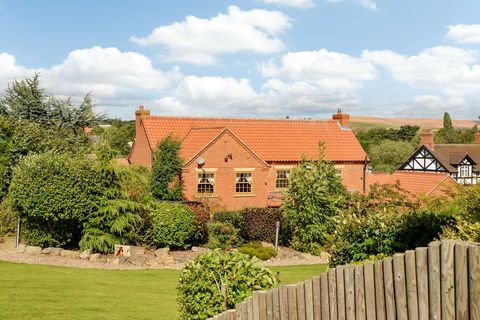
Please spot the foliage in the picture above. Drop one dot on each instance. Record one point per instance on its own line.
(199, 290)
(386, 220)
(173, 225)
(54, 193)
(315, 194)
(235, 218)
(388, 155)
(8, 218)
(118, 135)
(255, 249)
(166, 183)
(202, 218)
(223, 235)
(260, 223)
(6, 154)
(449, 134)
(116, 217)
(374, 136)
(25, 100)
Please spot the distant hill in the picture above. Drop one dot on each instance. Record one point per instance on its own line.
(364, 122)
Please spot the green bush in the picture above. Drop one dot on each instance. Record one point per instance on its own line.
(8, 218)
(223, 236)
(198, 292)
(173, 225)
(235, 218)
(255, 249)
(382, 222)
(54, 194)
(260, 224)
(315, 195)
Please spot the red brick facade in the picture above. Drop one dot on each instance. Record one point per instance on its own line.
(226, 156)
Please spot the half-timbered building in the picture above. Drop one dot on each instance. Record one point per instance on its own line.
(461, 161)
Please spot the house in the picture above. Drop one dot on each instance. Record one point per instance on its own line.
(417, 183)
(460, 161)
(238, 162)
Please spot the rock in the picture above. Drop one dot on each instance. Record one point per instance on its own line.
(95, 257)
(119, 260)
(152, 263)
(199, 250)
(85, 255)
(33, 250)
(8, 244)
(69, 254)
(21, 248)
(137, 251)
(168, 260)
(52, 251)
(128, 251)
(162, 252)
(138, 260)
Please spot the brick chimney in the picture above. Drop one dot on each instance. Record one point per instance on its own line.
(139, 114)
(477, 137)
(342, 118)
(427, 138)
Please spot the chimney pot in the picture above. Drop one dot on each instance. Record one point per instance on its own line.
(342, 118)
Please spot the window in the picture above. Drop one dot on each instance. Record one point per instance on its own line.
(338, 172)
(464, 171)
(206, 183)
(282, 179)
(243, 182)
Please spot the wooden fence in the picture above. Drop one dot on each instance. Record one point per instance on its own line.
(439, 282)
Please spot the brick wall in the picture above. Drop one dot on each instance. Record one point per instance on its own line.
(141, 152)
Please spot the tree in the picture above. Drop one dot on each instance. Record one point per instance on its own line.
(388, 155)
(166, 182)
(447, 121)
(315, 194)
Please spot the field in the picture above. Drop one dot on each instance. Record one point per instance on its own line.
(46, 292)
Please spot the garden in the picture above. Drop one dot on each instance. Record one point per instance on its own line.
(70, 193)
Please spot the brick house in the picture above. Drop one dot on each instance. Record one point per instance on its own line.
(246, 162)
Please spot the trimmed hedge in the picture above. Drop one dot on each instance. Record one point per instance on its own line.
(259, 224)
(255, 249)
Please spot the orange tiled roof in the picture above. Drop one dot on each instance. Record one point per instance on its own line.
(272, 140)
(414, 181)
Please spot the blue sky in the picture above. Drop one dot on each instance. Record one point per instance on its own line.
(262, 58)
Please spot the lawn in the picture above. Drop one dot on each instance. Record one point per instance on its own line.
(46, 292)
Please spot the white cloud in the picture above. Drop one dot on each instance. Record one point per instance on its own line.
(10, 70)
(464, 33)
(292, 3)
(446, 69)
(369, 4)
(326, 70)
(200, 41)
(435, 105)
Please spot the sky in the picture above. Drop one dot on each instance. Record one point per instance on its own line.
(251, 58)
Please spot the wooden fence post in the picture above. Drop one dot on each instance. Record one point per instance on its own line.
(340, 292)
(447, 256)
(349, 293)
(434, 280)
(369, 277)
(421, 264)
(379, 291)
(317, 303)
(309, 311)
(411, 281)
(389, 289)
(474, 281)
(332, 293)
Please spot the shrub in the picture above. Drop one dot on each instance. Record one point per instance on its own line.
(315, 194)
(199, 290)
(255, 249)
(260, 224)
(383, 222)
(8, 218)
(54, 193)
(202, 217)
(235, 218)
(173, 225)
(223, 235)
(116, 217)
(166, 183)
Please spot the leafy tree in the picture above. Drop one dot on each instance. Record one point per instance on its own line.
(315, 195)
(166, 183)
(388, 155)
(118, 135)
(116, 217)
(6, 155)
(199, 292)
(374, 136)
(54, 193)
(447, 121)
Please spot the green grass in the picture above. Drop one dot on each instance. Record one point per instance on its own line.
(46, 292)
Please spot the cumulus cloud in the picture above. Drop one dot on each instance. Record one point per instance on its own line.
(435, 105)
(116, 79)
(369, 4)
(10, 70)
(292, 3)
(326, 70)
(450, 70)
(464, 33)
(200, 41)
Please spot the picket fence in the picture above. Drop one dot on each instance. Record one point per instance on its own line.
(441, 281)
